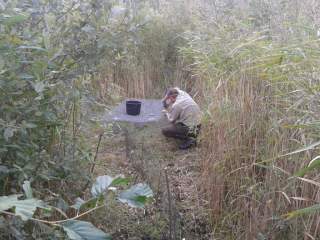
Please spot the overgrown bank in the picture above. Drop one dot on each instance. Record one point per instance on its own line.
(253, 66)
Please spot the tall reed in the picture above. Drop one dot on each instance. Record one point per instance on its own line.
(260, 96)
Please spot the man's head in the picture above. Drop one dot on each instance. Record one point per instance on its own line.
(170, 97)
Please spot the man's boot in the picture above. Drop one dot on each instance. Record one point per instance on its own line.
(188, 143)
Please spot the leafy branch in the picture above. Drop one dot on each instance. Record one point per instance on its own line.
(136, 196)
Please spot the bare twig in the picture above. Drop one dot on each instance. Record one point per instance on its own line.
(96, 154)
(94, 161)
(59, 221)
(170, 206)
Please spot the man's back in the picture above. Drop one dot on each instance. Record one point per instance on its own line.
(185, 110)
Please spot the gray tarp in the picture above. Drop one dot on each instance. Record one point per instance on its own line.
(150, 112)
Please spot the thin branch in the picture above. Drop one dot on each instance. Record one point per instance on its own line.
(94, 161)
(59, 221)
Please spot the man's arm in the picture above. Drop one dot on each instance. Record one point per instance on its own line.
(173, 114)
(164, 104)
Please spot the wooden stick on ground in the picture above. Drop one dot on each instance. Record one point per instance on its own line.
(172, 235)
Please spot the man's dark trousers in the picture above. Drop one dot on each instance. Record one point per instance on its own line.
(181, 131)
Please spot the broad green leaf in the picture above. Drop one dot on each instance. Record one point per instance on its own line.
(117, 11)
(26, 208)
(39, 87)
(260, 236)
(8, 133)
(136, 196)
(26, 76)
(101, 184)
(11, 20)
(2, 63)
(314, 164)
(91, 203)
(4, 170)
(23, 208)
(120, 181)
(78, 203)
(80, 230)
(88, 29)
(27, 189)
(6, 202)
(33, 48)
(61, 204)
(30, 125)
(304, 211)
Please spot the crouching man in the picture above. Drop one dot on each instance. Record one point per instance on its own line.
(184, 115)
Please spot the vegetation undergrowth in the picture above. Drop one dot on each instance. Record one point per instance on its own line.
(252, 65)
(259, 68)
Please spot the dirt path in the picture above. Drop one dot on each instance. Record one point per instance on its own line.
(148, 157)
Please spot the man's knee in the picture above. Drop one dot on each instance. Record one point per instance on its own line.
(166, 132)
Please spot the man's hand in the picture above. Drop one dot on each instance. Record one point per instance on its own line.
(164, 104)
(165, 112)
(167, 102)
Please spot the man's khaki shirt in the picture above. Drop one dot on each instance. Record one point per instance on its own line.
(184, 110)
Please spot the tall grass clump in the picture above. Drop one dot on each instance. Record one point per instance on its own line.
(258, 66)
(145, 58)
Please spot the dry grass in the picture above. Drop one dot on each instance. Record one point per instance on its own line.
(254, 69)
(260, 106)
